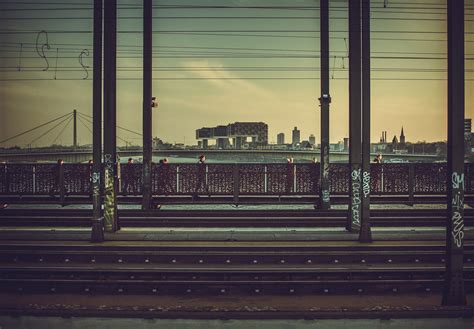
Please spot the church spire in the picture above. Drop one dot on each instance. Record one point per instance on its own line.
(402, 137)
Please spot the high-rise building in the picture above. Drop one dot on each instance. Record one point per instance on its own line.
(295, 136)
(312, 139)
(281, 139)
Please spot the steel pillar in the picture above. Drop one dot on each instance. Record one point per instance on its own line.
(147, 102)
(110, 147)
(355, 128)
(365, 234)
(74, 129)
(454, 293)
(325, 100)
(97, 220)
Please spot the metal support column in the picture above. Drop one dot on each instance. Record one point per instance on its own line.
(97, 220)
(147, 102)
(325, 100)
(74, 129)
(454, 293)
(110, 154)
(365, 234)
(355, 128)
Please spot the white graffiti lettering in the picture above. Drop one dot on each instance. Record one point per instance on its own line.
(458, 229)
(356, 202)
(457, 180)
(355, 174)
(95, 178)
(325, 195)
(366, 184)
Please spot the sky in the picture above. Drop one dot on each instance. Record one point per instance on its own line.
(215, 66)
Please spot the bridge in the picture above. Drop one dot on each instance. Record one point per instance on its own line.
(422, 252)
(84, 155)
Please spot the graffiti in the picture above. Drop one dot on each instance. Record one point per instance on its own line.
(109, 193)
(325, 194)
(40, 48)
(457, 180)
(325, 164)
(366, 184)
(85, 67)
(458, 229)
(457, 205)
(96, 178)
(355, 204)
(96, 184)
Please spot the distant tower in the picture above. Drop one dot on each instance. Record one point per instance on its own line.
(402, 137)
(312, 139)
(281, 139)
(295, 136)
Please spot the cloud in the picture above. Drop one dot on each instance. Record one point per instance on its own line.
(222, 78)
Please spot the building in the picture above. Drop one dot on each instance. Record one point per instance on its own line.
(402, 138)
(346, 144)
(312, 140)
(239, 132)
(295, 137)
(281, 139)
(467, 135)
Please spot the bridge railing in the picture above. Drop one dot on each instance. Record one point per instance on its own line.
(229, 179)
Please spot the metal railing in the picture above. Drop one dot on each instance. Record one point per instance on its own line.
(229, 179)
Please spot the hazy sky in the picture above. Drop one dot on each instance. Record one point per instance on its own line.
(228, 64)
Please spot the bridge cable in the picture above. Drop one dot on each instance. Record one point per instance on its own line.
(62, 130)
(32, 129)
(51, 129)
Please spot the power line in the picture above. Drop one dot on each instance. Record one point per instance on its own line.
(194, 31)
(228, 18)
(246, 78)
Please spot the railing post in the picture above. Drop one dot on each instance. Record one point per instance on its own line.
(382, 183)
(7, 179)
(411, 184)
(177, 179)
(236, 176)
(62, 184)
(34, 179)
(265, 187)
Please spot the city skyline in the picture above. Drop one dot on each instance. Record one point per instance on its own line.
(205, 78)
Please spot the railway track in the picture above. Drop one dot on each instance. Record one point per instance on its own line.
(228, 199)
(226, 268)
(230, 218)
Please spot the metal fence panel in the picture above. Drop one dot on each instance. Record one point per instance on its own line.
(252, 179)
